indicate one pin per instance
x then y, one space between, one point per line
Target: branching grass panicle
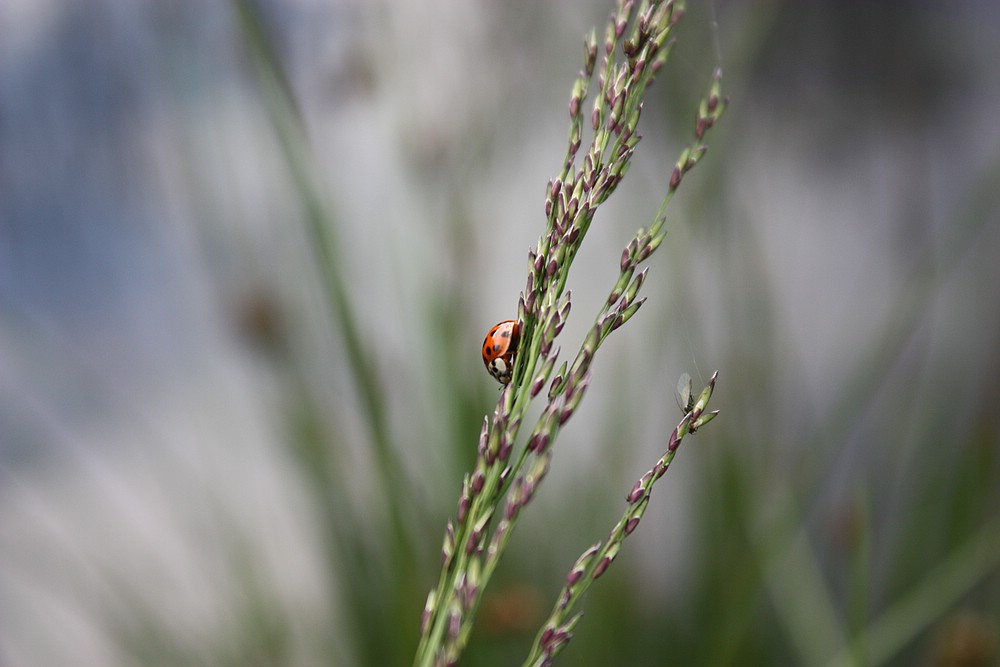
637 42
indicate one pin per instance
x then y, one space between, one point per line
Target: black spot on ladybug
506 334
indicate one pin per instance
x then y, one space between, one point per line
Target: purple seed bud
601 567
556 381
573 577
473 545
641 277
505 449
571 381
556 186
454 624
546 637
515 423
595 119
675 178
636 493
631 525
510 509
565 221
564 416
448 548
551 269
559 327
478 479
484 435
574 106
470 596
589 553
527 492
640 65
674 442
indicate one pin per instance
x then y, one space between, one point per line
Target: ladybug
499 349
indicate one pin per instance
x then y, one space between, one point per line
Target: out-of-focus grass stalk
939 590
473 543
796 584
365 576
859 578
782 545
289 126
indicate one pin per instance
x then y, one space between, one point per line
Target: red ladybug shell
499 349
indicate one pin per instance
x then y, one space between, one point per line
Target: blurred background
249 252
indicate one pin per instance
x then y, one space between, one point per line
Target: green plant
636 45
